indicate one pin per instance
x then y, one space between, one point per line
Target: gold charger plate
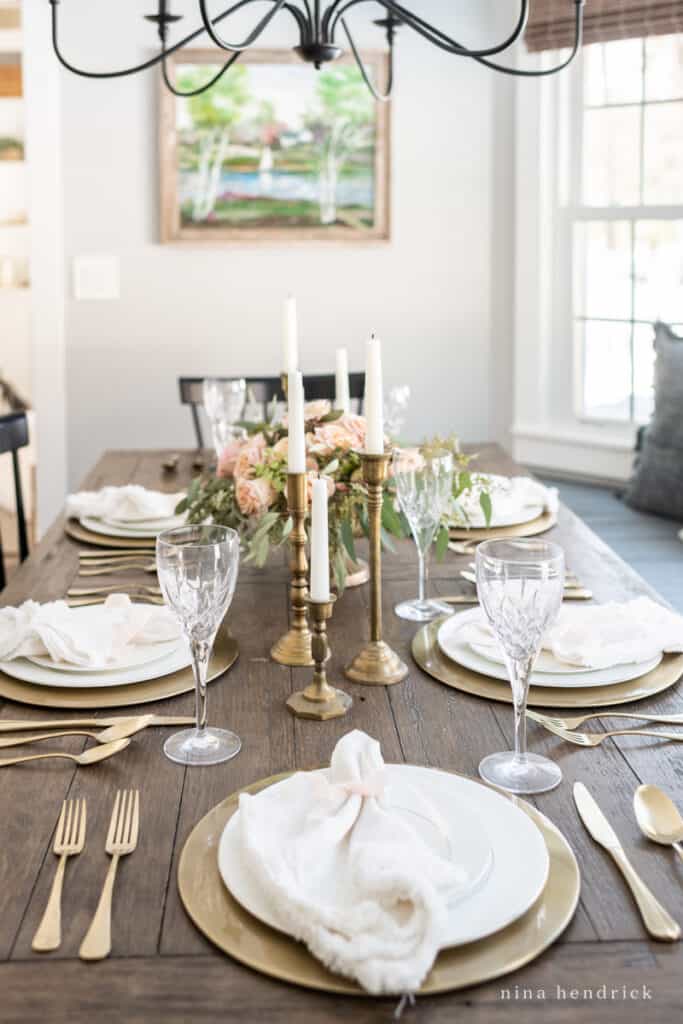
77 532
222 920
433 661
225 652
531 529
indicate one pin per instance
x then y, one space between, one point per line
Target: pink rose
226 463
281 449
314 475
409 460
254 497
316 410
347 433
250 455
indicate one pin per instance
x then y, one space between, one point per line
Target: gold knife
656 919
88 723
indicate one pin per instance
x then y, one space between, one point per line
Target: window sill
589 450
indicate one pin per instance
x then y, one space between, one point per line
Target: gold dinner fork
594 739
108 568
79 602
574 721
112 588
122 839
69 841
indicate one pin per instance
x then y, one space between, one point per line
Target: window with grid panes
628 219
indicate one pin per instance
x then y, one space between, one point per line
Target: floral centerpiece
248 492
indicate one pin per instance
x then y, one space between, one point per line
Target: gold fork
594 739
122 839
575 721
69 841
110 567
78 602
112 588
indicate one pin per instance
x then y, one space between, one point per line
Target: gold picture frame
359 208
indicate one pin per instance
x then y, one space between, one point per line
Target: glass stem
421 572
201 651
520 673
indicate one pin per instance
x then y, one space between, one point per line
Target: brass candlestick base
376 664
320 700
294 648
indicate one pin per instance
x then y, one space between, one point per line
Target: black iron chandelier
317 32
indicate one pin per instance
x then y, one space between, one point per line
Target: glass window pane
607 371
664 67
663 171
643 372
605 247
613 72
659 270
611 156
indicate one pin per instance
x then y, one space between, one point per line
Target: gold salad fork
594 739
90 756
122 839
108 568
69 841
574 721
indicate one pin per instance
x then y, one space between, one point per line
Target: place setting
494 507
128 517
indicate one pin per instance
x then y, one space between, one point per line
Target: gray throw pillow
657 481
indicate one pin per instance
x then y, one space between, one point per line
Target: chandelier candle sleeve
342 400
374 410
296 448
320 557
290 336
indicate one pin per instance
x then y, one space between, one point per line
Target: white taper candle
296 446
320 558
290 336
341 390
374 398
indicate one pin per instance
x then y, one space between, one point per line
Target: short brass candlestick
320 700
294 648
376 664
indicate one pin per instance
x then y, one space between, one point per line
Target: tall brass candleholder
376 664
294 648
320 700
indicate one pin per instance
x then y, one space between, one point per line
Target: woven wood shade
551 22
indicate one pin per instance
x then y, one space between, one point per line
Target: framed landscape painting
275 150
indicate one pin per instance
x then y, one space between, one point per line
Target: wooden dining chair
13 436
263 390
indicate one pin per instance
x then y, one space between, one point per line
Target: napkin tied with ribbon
347 872
58 631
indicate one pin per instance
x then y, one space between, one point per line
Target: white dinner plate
109 530
28 672
477 520
134 526
462 653
481 822
132 656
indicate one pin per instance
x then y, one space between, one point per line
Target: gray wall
438 294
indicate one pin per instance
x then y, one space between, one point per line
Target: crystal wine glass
224 403
520 585
424 485
197 567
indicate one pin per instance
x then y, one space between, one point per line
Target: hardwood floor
649 544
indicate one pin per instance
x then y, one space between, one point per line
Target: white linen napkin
345 871
604 635
509 496
56 630
129 504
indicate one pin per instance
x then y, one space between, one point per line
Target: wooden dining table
603 968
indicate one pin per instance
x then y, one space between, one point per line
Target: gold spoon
114 732
658 817
91 756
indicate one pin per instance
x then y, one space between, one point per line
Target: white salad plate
111 530
28 672
475 518
461 651
497 844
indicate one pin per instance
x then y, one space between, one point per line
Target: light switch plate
96 277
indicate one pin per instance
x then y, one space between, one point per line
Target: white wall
429 293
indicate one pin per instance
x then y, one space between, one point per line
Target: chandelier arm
251 38
166 52
433 34
380 97
544 72
202 88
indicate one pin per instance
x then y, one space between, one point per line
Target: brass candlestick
294 648
284 383
320 700
376 663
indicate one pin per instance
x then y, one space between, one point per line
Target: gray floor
648 543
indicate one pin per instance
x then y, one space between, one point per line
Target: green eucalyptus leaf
347 538
182 506
485 503
391 519
387 541
333 414
441 546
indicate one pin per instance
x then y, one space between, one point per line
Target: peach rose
409 460
229 455
250 456
254 497
281 449
316 410
346 433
